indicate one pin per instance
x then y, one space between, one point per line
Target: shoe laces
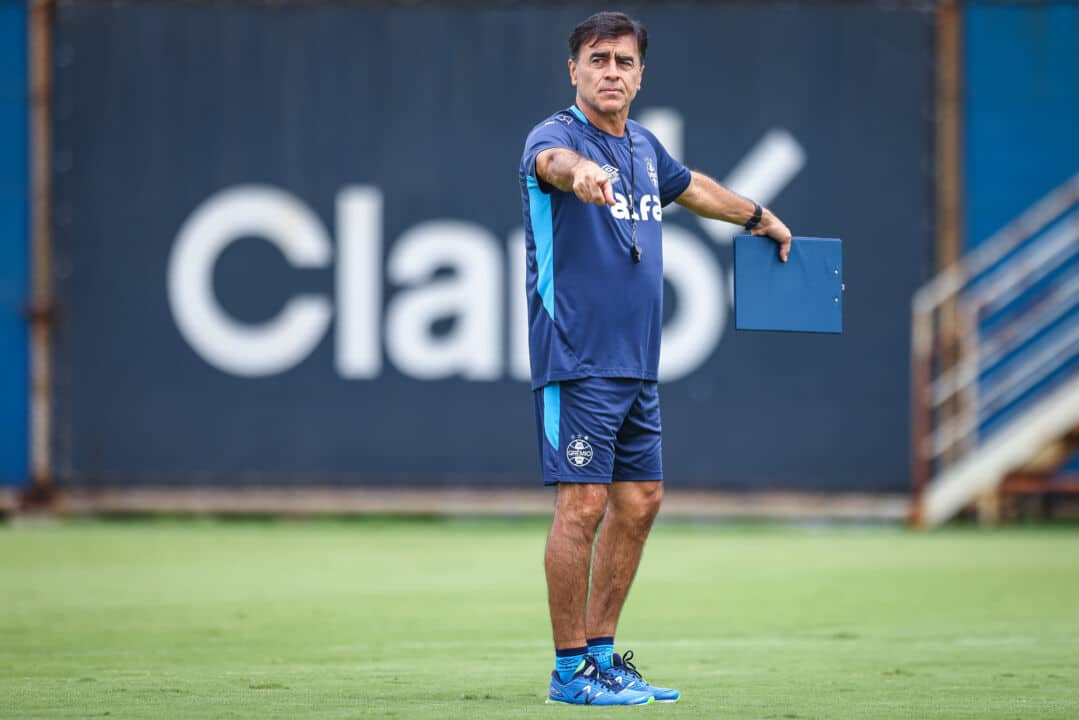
629 666
608 679
600 678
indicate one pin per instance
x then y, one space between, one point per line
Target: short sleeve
673 176
554 132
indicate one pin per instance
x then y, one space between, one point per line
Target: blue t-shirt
593 311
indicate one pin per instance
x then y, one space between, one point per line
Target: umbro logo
564 119
612 172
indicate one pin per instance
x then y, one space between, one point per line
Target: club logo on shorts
579 452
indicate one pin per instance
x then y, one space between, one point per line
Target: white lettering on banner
520 365
667 125
693 332
239 348
359 282
769 167
472 296
442 270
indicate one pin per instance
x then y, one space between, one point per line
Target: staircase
995 364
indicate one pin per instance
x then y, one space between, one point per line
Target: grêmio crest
579 451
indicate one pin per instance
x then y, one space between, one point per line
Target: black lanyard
634 248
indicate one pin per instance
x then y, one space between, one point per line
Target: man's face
607 74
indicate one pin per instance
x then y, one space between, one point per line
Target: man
593 185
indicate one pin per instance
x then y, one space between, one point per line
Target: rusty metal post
41 303
949 133
928 336
921 346
949 199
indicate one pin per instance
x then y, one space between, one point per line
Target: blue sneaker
624 674
588 686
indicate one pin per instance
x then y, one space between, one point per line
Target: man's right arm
566 170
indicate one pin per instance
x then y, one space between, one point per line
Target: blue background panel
14 244
1021 101
1022 108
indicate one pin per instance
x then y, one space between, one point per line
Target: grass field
399 619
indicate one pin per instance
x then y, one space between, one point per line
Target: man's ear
572 72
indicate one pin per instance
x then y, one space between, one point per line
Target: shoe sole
649 701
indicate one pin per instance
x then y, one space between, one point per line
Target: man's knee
582 505
638 502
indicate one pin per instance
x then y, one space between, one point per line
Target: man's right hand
592 184
567 170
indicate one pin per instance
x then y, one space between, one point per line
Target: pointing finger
597 194
608 192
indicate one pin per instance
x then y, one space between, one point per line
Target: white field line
962 641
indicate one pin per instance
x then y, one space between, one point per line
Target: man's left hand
773 227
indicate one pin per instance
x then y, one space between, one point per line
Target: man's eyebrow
604 54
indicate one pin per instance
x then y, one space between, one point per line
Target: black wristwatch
756 219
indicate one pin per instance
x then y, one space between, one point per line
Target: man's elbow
544 160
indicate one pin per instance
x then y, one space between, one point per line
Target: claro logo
484 293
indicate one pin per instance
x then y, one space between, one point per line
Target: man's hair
607 26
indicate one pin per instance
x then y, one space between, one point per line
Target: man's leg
578 511
631 508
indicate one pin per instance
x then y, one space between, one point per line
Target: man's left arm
708 198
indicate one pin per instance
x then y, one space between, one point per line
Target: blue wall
1022 108
14 243
1021 111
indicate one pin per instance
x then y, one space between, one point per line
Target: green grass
395 619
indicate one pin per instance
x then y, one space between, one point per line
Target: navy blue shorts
597 429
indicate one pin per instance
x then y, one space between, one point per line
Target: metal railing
993 333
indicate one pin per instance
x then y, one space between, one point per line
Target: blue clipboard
804 294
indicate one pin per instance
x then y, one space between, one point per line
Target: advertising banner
290 246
